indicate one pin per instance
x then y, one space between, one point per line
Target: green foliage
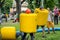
37 3
1 3
49 3
33 4
7 5
59 3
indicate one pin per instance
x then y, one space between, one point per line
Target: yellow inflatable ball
42 16
8 32
28 22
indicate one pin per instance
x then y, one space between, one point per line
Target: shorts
50 24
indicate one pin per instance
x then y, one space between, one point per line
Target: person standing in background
4 16
55 15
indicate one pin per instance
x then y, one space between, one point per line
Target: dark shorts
41 26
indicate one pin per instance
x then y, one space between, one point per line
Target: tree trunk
0 10
59 2
18 4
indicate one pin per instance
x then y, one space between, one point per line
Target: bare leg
43 31
52 25
53 30
48 30
48 26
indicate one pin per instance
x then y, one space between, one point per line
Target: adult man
55 15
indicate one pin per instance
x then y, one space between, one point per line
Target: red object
28 11
17 19
59 13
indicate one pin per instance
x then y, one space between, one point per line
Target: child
50 23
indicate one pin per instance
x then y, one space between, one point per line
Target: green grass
10 23
51 36
38 36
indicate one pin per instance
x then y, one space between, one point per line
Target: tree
59 3
7 5
30 4
18 4
38 3
49 3
1 4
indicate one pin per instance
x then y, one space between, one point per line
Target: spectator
55 15
4 16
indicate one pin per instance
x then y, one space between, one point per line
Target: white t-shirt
49 17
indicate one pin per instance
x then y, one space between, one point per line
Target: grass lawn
51 36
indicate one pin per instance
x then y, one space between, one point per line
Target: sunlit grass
38 36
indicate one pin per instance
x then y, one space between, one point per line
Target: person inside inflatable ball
42 26
28 11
